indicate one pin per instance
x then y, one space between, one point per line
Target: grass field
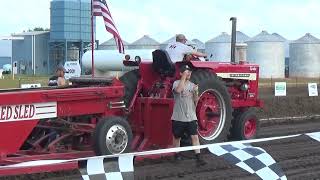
8 82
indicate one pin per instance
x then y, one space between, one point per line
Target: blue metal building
30 52
70 35
5 51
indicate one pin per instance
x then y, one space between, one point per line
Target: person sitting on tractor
184 119
178 50
58 79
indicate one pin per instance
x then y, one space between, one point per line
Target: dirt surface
298 157
296 103
276 128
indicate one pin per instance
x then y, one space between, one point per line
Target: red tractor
108 116
227 95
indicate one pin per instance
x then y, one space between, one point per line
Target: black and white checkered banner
104 169
254 160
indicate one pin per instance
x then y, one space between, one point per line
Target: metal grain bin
267 50
144 42
111 45
199 45
305 57
219 48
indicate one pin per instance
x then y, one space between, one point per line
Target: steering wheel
190 57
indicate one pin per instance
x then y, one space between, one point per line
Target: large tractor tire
112 135
130 81
214 110
245 125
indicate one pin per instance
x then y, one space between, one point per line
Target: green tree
38 29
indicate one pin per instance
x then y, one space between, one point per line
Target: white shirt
177 50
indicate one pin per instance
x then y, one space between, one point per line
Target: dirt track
296 103
298 157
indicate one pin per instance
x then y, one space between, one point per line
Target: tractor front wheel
112 135
245 125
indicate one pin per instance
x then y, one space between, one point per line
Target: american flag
100 8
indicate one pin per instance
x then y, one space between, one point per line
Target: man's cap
61 68
185 67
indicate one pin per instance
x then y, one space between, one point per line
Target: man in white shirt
177 50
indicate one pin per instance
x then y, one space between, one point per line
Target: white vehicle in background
72 68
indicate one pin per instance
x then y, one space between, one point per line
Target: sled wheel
112 135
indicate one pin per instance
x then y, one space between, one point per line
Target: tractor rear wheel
112 135
245 125
214 110
130 81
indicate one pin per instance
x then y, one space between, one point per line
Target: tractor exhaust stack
233 39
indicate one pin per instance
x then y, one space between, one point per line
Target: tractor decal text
239 75
245 76
28 111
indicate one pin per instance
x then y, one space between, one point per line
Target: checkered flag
252 159
314 135
106 169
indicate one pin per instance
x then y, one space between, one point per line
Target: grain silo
70 31
286 43
267 50
286 53
111 45
305 57
145 42
219 48
173 39
199 45
241 37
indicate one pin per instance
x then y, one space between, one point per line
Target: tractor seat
162 63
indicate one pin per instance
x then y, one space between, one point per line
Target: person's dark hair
60 68
184 67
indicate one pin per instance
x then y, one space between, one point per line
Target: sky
161 19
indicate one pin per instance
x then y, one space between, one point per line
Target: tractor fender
200 65
204 64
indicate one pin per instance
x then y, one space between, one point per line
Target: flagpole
92 41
